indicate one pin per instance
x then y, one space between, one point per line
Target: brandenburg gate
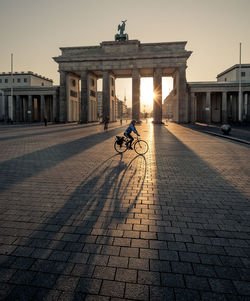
124 58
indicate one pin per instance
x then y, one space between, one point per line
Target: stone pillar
42 108
84 97
30 109
106 95
224 107
208 107
21 109
54 119
24 109
136 94
182 95
17 114
63 97
6 107
157 105
192 108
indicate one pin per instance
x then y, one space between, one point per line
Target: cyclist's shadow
107 185
99 205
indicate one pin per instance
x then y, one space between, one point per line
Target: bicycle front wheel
120 148
141 147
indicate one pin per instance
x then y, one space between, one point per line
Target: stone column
42 108
136 83
24 109
224 107
106 95
17 108
30 109
54 119
192 108
84 97
21 109
182 95
208 107
63 97
6 107
157 105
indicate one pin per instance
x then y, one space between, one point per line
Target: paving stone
148 277
137 291
172 280
47 294
140 243
186 294
110 250
139 263
91 286
112 288
168 255
182 267
116 261
126 275
149 254
23 277
107 273
122 242
6 274
159 266
161 293
222 286
45 280
242 287
129 252
83 270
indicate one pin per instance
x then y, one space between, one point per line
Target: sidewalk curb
227 137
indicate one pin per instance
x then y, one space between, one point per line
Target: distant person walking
106 123
120 120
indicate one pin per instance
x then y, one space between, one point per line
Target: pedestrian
106 123
121 120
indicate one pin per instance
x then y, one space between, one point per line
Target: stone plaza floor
80 222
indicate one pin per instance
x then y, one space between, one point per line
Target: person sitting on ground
127 133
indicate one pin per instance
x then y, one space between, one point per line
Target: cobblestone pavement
80 222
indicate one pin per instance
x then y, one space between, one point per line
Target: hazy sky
33 30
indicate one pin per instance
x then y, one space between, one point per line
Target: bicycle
122 144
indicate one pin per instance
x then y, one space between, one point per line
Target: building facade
221 101
235 73
34 97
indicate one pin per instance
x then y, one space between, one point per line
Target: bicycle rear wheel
120 148
141 147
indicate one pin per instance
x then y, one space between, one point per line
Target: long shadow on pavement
16 170
206 223
81 234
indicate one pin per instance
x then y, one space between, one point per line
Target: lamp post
240 93
11 89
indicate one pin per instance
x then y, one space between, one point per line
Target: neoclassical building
34 97
217 101
121 59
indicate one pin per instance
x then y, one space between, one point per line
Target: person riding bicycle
127 133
